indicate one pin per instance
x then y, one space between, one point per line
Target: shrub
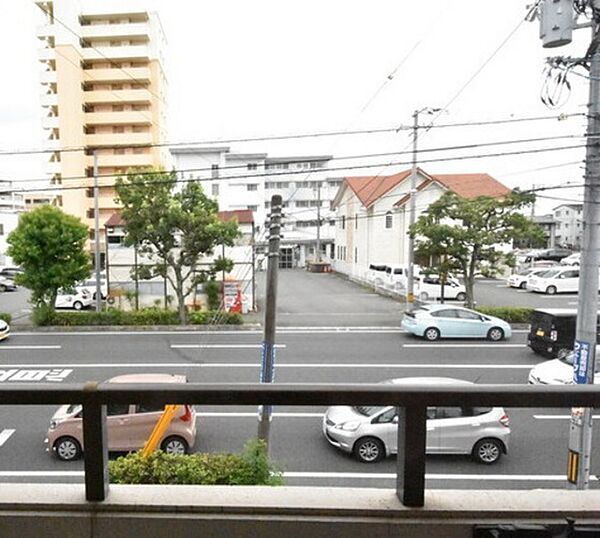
5 316
114 316
215 318
251 468
508 313
211 288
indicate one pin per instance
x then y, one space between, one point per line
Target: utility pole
267 369
97 235
557 22
318 257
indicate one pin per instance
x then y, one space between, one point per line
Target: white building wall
9 220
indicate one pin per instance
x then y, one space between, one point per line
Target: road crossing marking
558 417
464 345
223 346
13 348
5 435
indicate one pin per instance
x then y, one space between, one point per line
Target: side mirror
395 419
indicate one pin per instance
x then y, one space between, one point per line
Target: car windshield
525 272
551 273
368 410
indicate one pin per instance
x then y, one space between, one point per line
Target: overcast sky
245 69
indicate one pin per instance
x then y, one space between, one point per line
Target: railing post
410 465
95 446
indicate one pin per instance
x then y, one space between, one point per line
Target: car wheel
523 285
423 296
67 448
369 450
487 451
77 305
551 290
461 296
432 334
174 445
495 334
2 287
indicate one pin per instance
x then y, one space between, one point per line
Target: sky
239 69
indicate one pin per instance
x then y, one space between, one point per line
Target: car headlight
351 426
53 424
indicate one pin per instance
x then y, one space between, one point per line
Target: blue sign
267 371
580 362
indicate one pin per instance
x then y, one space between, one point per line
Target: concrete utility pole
580 435
318 256
97 235
268 346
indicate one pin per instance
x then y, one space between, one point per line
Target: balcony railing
412 402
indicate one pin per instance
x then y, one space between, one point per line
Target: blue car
442 321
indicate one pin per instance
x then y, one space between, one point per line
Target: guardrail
412 401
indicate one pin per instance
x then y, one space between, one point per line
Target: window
1 229
215 189
355 254
116 87
89 192
149 408
90 214
117 409
386 416
448 313
449 412
463 314
343 222
388 220
119 151
252 207
252 187
356 221
118 129
252 166
115 239
214 170
92 235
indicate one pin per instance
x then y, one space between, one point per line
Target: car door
118 419
568 281
446 320
458 430
144 418
471 324
387 423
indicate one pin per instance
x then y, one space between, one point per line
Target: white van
376 274
560 280
430 287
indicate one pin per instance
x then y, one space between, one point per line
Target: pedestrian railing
412 401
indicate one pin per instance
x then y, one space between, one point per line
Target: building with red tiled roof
372 213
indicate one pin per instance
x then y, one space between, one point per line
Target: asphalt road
537 457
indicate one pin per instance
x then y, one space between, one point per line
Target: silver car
371 432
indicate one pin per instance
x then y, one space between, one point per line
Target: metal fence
412 401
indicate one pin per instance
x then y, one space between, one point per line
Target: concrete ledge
31 509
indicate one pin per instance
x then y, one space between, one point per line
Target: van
376 274
552 331
429 287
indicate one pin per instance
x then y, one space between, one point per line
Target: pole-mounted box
557 19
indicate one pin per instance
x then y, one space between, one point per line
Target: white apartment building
103 90
569 225
11 206
248 181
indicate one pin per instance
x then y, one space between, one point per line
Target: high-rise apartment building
103 90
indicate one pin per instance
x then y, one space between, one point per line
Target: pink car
128 426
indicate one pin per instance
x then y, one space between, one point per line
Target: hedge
144 316
251 468
508 313
5 316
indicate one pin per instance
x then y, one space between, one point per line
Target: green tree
174 228
465 233
50 247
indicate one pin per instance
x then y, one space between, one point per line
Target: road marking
3 347
558 417
464 345
392 476
222 346
26 474
4 435
255 415
282 330
55 374
280 365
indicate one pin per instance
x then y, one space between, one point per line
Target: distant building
569 225
11 206
548 224
249 180
37 199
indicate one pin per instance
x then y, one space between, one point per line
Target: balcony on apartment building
126 117
49 99
53 167
46 53
122 160
126 52
52 143
117 96
48 77
45 30
117 139
50 122
116 74
115 31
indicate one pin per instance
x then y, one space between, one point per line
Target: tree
50 247
174 229
466 232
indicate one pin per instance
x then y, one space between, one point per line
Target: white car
521 279
90 286
430 287
560 280
376 274
73 298
557 371
573 259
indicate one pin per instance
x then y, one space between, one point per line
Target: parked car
552 254
563 279
128 426
73 298
4 330
371 432
521 279
10 272
90 286
433 322
429 287
376 274
7 284
573 259
558 371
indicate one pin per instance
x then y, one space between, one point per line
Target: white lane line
13 348
463 345
282 330
558 417
27 474
222 346
255 415
280 365
392 476
5 435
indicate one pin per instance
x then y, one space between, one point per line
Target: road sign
580 362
